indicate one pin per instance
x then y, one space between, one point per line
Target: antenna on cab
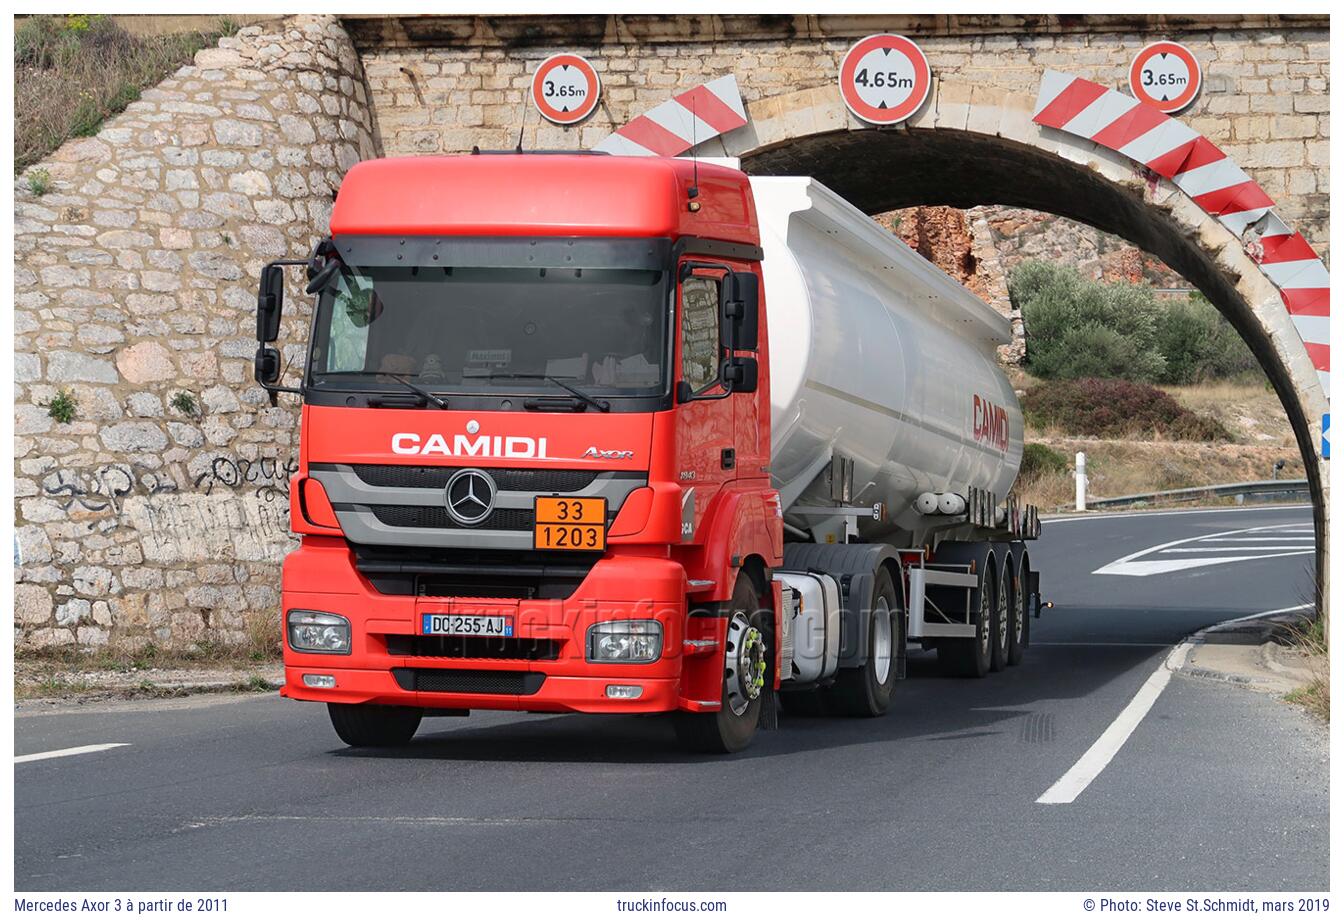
694 191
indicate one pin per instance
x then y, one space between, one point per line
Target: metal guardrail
1264 490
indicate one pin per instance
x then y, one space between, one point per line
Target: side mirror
740 375
740 307
266 366
270 300
323 276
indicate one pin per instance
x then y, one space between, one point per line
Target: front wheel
371 725
746 678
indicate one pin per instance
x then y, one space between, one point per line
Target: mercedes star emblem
470 496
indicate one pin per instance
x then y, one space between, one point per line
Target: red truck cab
535 446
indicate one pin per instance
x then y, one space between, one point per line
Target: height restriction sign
1166 75
884 79
565 88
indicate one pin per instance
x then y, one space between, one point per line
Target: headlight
625 641
315 631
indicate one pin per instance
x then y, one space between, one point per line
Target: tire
747 661
1002 626
371 725
1019 620
971 657
865 692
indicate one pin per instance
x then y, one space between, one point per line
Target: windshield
492 330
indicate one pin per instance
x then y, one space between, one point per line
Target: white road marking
1212 547
1275 550
67 752
1263 538
1071 785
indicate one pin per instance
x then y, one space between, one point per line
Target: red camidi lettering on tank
990 424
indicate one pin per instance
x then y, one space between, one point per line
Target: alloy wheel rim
745 663
882 640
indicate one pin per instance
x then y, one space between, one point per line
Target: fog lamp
320 681
315 631
624 692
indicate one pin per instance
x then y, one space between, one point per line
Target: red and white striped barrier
685 120
1197 167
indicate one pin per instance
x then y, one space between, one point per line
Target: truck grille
436 477
502 649
437 517
435 680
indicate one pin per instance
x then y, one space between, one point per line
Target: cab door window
700 332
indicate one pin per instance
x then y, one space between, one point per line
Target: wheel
746 677
1002 628
1018 634
370 725
866 691
971 657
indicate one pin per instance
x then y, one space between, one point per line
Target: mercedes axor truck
599 434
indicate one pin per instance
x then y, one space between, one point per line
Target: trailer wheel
371 725
1020 622
1002 627
971 657
746 679
866 691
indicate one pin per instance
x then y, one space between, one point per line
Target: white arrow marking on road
1103 750
1213 554
68 752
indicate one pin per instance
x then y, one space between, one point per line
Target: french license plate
570 523
452 624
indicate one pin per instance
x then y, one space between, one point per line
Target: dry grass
1248 409
1315 695
73 72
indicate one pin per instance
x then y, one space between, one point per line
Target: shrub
184 402
1081 328
1040 460
1116 409
1200 345
62 407
39 182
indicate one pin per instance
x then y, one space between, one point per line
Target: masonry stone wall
160 512
1265 97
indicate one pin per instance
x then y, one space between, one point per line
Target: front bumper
387 665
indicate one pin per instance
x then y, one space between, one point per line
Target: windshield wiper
601 405
416 388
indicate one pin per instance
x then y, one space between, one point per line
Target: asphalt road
1218 788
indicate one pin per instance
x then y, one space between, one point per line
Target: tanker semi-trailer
584 433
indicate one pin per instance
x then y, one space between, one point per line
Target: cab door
706 427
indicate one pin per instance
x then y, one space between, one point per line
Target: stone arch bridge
147 521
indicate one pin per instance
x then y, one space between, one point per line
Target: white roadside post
1080 481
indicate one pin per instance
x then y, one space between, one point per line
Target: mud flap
769 717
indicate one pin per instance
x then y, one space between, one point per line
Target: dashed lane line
68 752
